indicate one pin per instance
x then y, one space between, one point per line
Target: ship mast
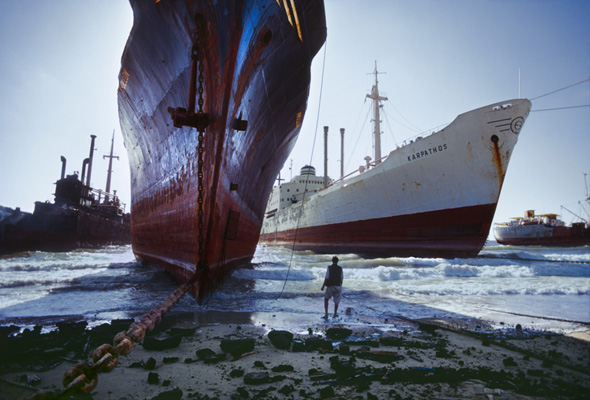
110 170
376 121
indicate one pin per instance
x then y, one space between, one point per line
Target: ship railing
360 170
108 199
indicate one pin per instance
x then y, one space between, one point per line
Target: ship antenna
587 195
586 183
376 121
519 83
279 179
110 170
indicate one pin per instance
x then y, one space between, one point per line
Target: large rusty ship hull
255 70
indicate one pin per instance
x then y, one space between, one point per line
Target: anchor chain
83 377
201 129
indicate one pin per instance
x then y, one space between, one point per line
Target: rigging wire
559 90
307 177
358 136
390 128
561 108
413 127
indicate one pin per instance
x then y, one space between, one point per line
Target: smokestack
84 164
90 160
325 156
63 167
341 153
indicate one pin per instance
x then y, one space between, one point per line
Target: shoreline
412 359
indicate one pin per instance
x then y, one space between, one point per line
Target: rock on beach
227 361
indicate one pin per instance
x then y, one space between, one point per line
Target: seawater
538 287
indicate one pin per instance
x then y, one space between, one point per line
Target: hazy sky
440 58
58 85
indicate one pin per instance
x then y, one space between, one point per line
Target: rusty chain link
83 377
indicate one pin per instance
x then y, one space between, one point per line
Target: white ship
435 196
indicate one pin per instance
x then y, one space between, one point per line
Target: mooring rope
307 178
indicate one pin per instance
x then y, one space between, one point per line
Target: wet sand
243 356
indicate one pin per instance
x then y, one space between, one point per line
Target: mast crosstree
376 121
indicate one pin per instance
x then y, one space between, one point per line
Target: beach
511 323
235 356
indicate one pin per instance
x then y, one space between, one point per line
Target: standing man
333 285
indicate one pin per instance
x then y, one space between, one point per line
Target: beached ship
542 230
80 216
211 98
547 229
432 197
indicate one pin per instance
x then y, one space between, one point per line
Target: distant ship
433 197
211 98
79 217
544 230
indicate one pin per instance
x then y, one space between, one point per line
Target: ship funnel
84 164
341 153
63 167
90 160
307 170
325 156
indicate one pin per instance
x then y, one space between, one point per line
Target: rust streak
498 162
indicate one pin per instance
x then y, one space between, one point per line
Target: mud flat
191 358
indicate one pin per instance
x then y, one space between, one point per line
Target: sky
58 85
438 59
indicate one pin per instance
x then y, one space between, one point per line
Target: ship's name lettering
427 152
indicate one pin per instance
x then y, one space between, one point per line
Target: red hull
554 242
256 73
562 236
453 233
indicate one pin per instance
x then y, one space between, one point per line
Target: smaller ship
544 230
80 216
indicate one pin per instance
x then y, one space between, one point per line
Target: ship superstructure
542 230
547 229
80 216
